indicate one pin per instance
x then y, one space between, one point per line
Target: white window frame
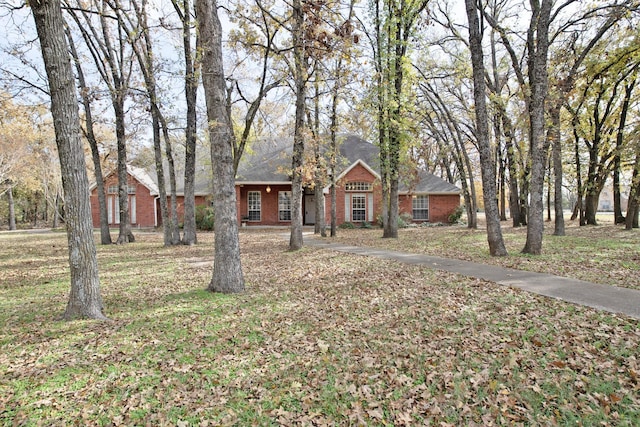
420 207
358 186
284 205
358 207
254 205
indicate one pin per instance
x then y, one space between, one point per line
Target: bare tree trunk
12 209
56 207
633 205
538 46
105 233
174 226
189 235
162 190
84 298
227 267
628 90
295 240
494 231
556 154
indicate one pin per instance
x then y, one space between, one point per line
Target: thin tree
107 45
84 298
105 234
494 231
227 267
191 66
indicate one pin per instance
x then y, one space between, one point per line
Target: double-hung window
358 207
255 205
284 206
421 207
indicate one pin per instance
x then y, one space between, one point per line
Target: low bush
204 218
455 216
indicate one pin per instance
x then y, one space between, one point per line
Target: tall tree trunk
295 240
56 207
494 231
333 155
84 298
617 208
12 209
555 136
538 46
174 226
189 235
227 267
105 233
162 190
124 233
633 205
549 190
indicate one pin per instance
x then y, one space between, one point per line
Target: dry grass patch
319 338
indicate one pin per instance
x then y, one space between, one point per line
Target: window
357 186
421 207
255 205
284 205
358 207
113 189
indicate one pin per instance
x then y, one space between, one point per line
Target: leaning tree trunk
84 298
227 267
494 231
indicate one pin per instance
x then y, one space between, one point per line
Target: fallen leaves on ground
318 338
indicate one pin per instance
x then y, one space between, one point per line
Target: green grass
318 338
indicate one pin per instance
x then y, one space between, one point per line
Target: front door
309 209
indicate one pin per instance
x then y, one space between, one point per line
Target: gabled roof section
141 175
428 183
353 148
144 178
353 165
266 162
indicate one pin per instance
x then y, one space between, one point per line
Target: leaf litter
318 338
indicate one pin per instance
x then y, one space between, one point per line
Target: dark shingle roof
269 160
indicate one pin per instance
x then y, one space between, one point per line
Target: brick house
263 188
144 201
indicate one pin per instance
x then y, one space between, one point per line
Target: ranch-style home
263 190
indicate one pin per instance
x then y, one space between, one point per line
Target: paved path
603 297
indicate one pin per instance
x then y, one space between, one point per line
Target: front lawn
318 338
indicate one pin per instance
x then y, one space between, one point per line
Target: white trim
370 208
347 207
356 163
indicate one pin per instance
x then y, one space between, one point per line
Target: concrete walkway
602 297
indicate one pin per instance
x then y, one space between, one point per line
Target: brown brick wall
144 203
269 203
358 174
440 206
